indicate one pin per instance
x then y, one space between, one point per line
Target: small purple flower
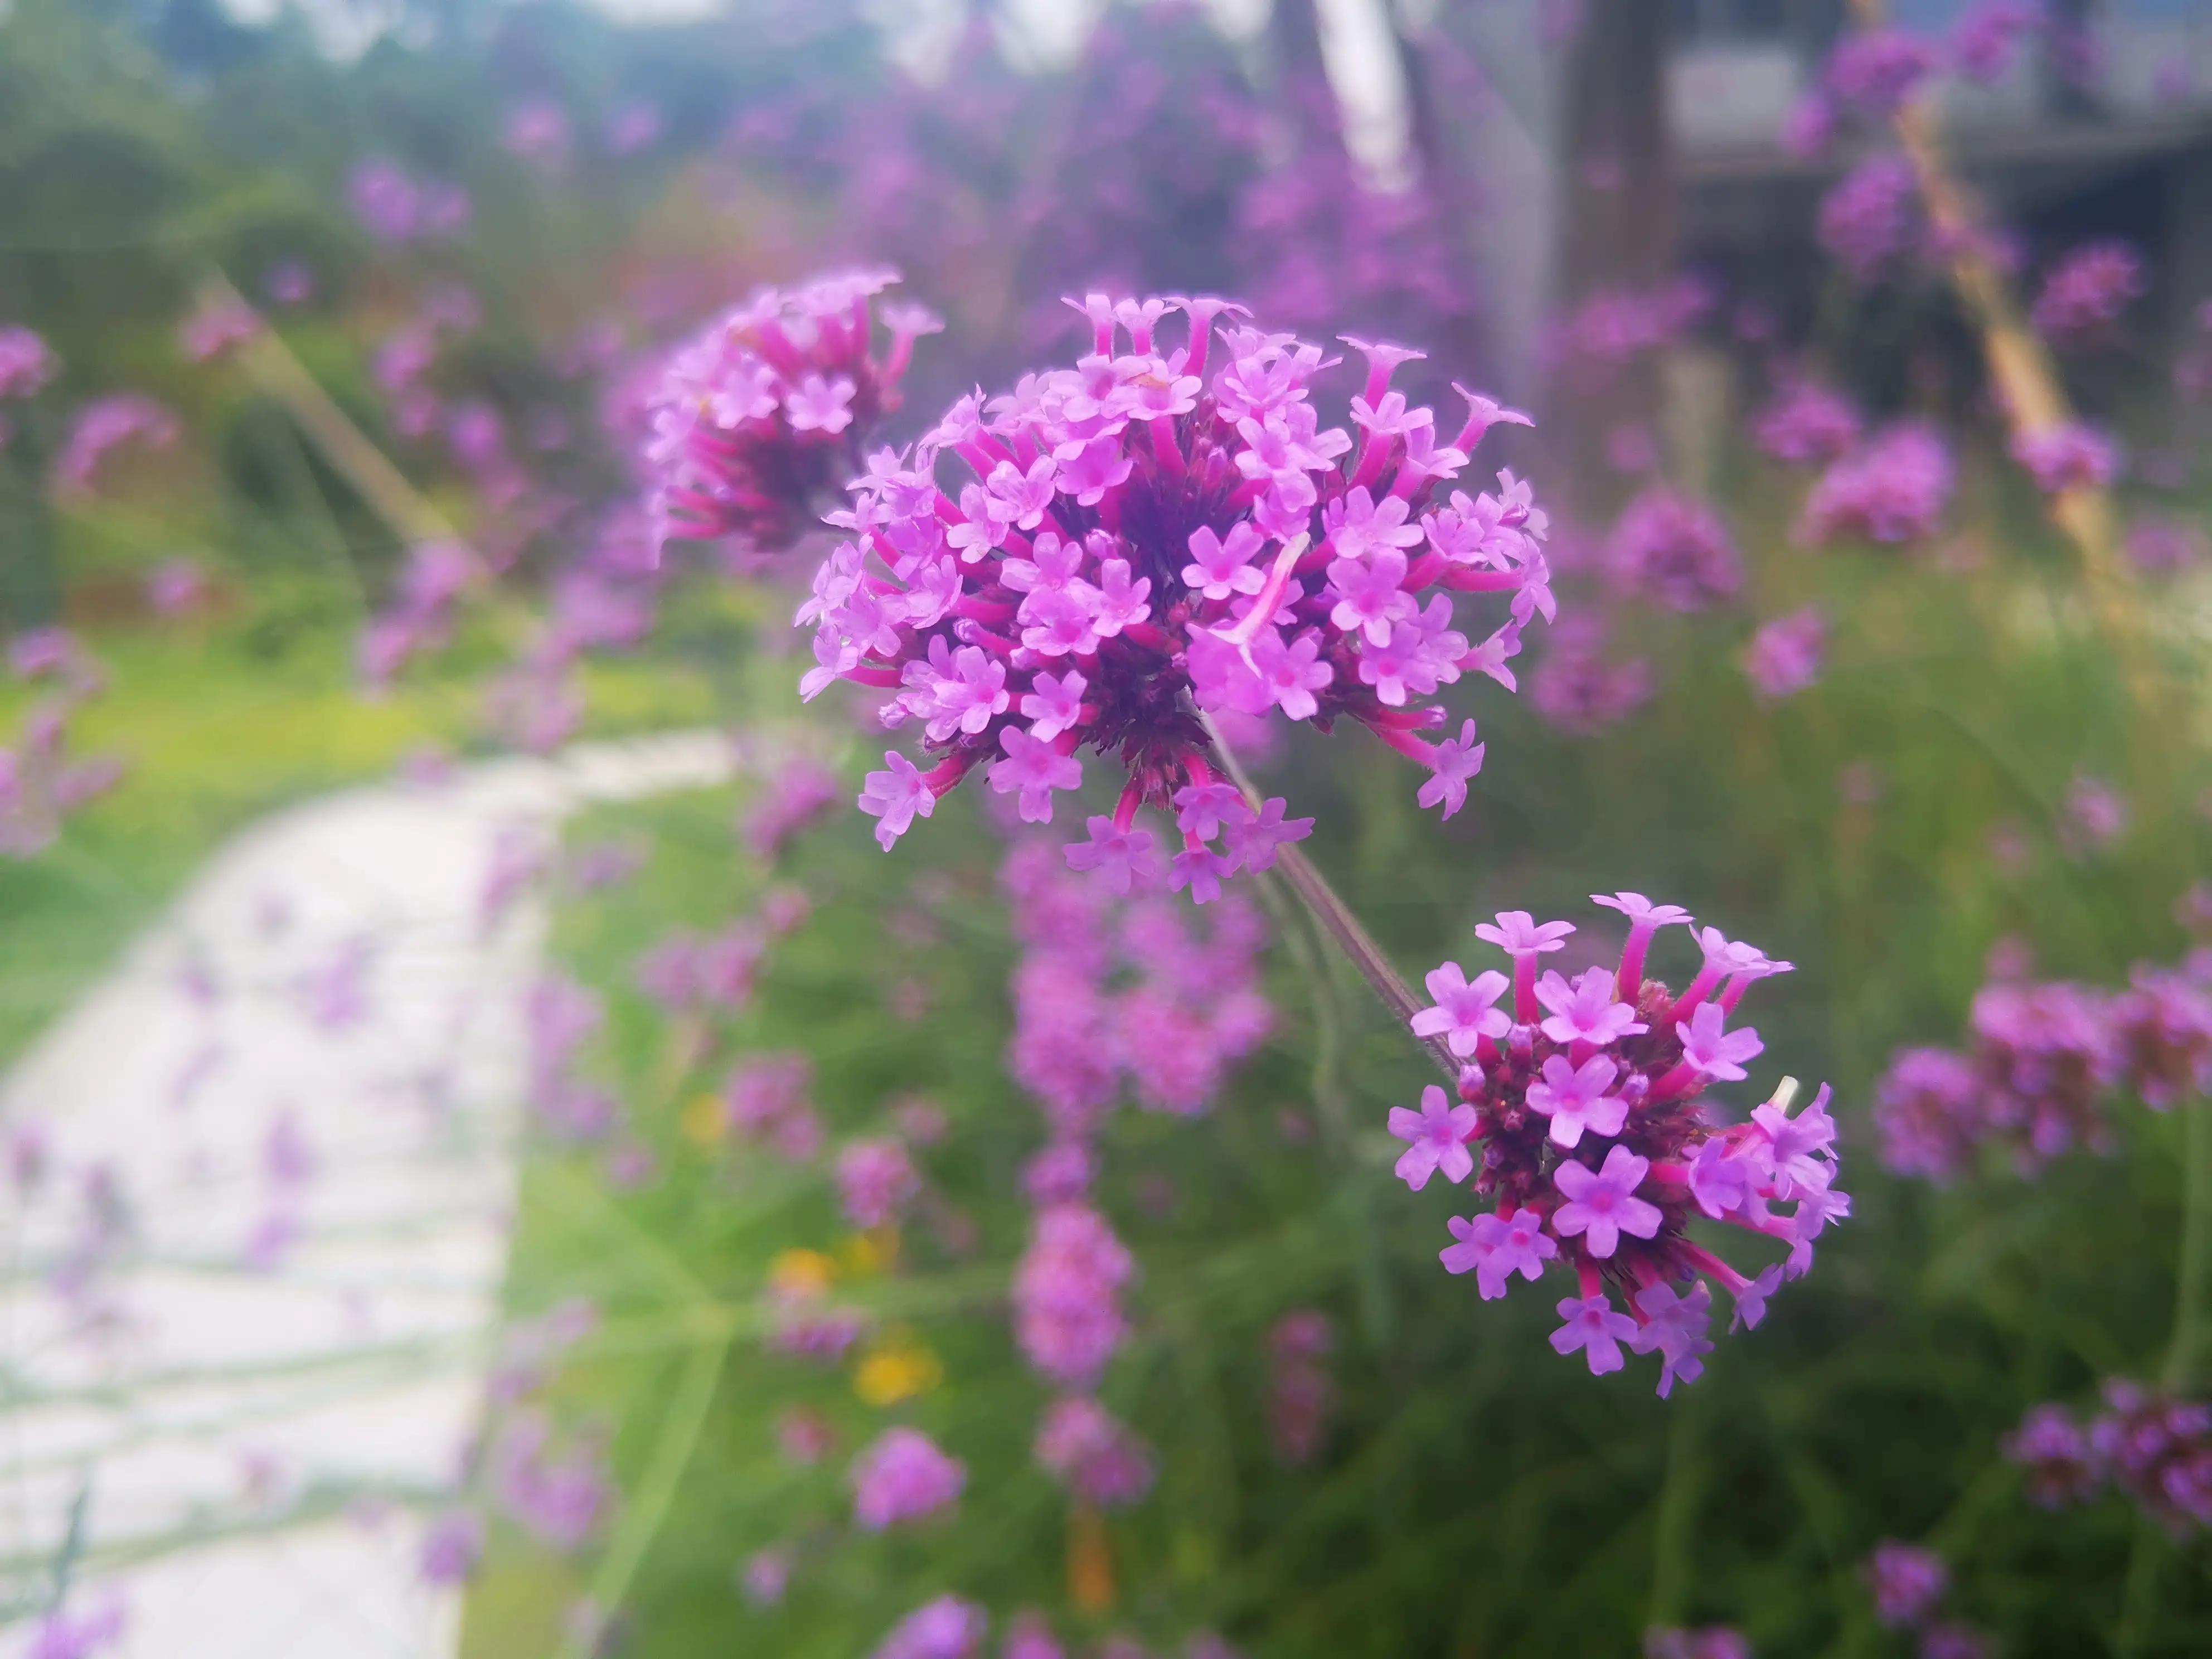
1592 1326
896 798
1601 1203
877 1181
1907 1582
1463 1014
1715 1053
1676 1325
1456 761
1034 769
1497 1247
1574 1098
451 1546
947 1628
2086 291
1437 1136
902 1477
1783 657
1585 1010
2071 456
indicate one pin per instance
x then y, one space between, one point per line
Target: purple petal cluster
876 1181
1783 657
1131 991
1872 216
1873 72
1891 489
2069 456
2086 291
761 414
903 1477
102 425
2153 1448
559 1499
1674 552
1067 1295
1300 1390
419 615
2044 1062
769 1099
1807 423
217 328
1159 533
1597 1147
393 206
1094 1455
26 363
1579 686
947 1628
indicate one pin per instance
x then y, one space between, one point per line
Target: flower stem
2184 1361
1335 916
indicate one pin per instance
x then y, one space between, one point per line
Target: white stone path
196 1390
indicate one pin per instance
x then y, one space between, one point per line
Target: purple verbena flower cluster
761 414
102 425
2070 456
1111 989
1097 1457
2086 291
2154 1448
1584 1098
394 207
26 362
1893 488
1783 657
1674 552
1872 216
947 1628
1579 686
2046 1058
902 1476
1152 535
1807 423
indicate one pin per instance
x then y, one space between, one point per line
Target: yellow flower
897 1368
801 1273
705 1122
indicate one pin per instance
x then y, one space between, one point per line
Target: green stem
1336 918
656 1493
2184 1360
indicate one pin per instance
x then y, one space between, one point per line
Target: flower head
763 410
1166 532
902 1477
1593 1147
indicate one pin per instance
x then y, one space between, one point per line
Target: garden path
260 1278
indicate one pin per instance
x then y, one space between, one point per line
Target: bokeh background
444 978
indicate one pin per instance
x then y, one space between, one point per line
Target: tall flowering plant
1159 533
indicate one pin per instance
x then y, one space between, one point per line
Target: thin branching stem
1335 916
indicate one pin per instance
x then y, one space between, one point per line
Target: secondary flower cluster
2044 1061
2087 290
1580 1120
1157 533
762 414
1891 489
1112 989
2156 1448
